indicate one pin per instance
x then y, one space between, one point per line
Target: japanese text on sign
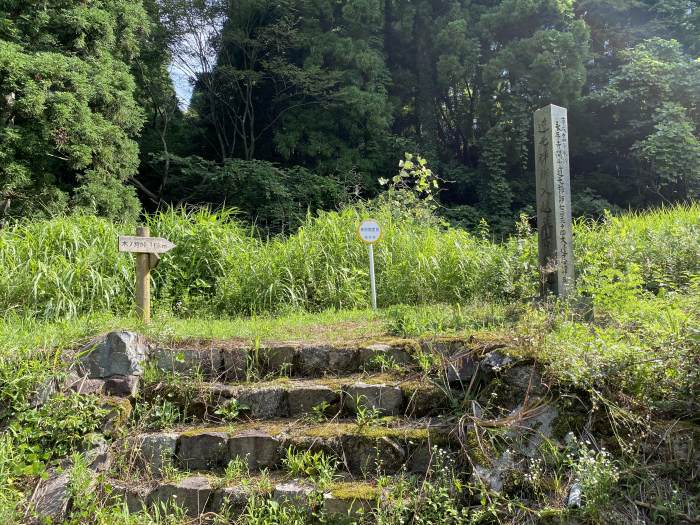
369 231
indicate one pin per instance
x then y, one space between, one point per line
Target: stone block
292 492
51 498
264 402
525 378
118 412
366 455
347 505
314 360
155 451
461 369
119 354
135 497
122 386
235 363
203 450
424 400
385 398
279 359
367 356
230 501
193 495
258 449
190 361
343 360
303 399
85 385
420 458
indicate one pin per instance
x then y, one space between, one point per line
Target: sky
183 88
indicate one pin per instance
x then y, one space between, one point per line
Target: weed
365 415
156 414
318 466
260 511
596 472
236 470
385 363
231 410
318 412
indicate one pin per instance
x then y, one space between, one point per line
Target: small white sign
369 231
144 244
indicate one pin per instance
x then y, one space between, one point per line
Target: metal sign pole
371 277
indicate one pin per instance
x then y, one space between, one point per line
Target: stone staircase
376 410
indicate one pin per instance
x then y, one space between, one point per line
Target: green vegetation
297 116
634 365
317 466
69 266
300 105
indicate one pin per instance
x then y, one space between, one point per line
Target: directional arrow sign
144 244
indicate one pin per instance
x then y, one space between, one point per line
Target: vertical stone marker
556 256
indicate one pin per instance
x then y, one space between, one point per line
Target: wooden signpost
556 255
147 250
370 232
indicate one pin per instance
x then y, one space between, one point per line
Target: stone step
386 446
387 394
200 494
235 362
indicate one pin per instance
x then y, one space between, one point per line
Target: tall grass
69 266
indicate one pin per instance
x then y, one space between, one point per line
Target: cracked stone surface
119 354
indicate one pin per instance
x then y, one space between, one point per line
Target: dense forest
304 105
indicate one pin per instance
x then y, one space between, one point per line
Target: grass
68 267
635 365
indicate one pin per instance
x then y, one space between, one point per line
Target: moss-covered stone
354 490
118 412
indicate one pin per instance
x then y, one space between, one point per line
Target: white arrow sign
144 244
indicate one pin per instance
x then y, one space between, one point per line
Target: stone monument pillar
556 257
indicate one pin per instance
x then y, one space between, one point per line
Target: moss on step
354 490
334 430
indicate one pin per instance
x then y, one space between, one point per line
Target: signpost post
147 250
370 232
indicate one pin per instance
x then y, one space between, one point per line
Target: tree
69 117
648 116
